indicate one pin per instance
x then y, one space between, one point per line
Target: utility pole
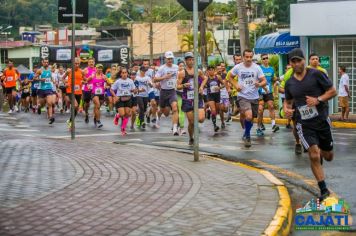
243 24
151 34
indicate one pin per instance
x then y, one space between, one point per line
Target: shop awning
277 43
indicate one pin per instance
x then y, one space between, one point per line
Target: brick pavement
58 187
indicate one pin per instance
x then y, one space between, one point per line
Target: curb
336 124
282 220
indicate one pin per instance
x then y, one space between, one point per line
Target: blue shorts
107 93
188 105
44 93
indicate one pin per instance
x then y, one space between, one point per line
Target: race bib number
36 86
90 86
126 93
99 91
249 82
190 95
215 89
307 113
76 87
10 78
48 80
170 84
26 90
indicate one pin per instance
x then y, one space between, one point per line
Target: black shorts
267 97
167 97
9 90
134 101
188 105
44 93
25 95
34 92
101 97
318 134
63 90
86 96
205 98
121 104
77 97
214 97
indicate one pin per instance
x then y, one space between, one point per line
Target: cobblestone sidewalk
58 187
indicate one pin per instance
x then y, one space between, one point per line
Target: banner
102 54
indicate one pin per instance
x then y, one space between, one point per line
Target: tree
187 43
243 24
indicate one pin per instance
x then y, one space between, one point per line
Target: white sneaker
68 111
16 108
182 131
175 132
10 112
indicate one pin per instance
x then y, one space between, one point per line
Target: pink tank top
98 85
89 86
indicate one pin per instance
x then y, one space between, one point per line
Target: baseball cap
99 66
169 54
188 55
296 53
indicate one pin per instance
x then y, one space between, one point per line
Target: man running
167 76
250 78
310 90
186 82
266 96
45 92
10 78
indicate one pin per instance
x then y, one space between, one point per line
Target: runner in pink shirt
87 87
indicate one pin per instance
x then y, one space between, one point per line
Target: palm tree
187 43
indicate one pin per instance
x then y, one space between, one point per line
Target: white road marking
19 130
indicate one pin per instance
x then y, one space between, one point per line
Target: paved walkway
59 187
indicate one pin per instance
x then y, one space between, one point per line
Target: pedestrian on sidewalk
344 94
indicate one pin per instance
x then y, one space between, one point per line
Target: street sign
65 11
325 62
188 4
233 46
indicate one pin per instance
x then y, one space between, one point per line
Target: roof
23 70
277 43
14 44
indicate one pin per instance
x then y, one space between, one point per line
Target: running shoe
143 125
288 126
148 119
259 132
123 132
275 128
191 142
100 125
86 119
175 132
116 119
263 127
51 120
298 149
182 131
10 111
324 195
247 141
223 126
216 128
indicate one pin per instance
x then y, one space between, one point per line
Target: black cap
296 53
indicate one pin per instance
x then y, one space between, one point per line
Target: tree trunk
243 24
203 43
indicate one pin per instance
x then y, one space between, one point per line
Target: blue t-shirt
47 84
269 74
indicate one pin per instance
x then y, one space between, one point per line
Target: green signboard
325 62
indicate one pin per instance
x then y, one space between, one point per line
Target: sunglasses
265 58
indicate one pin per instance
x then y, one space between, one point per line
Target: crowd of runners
143 93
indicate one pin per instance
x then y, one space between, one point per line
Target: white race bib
26 90
10 78
190 95
98 91
48 80
170 84
126 93
249 82
214 89
307 113
90 86
76 87
36 85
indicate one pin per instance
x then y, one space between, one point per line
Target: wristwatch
319 100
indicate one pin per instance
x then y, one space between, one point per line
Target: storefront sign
325 62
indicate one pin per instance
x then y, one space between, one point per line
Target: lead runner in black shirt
310 90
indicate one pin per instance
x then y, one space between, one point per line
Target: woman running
98 81
125 88
144 83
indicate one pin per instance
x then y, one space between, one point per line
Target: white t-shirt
123 87
168 83
143 84
282 95
344 80
248 76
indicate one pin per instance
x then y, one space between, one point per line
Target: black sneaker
208 114
275 128
148 119
263 127
95 122
191 142
228 118
324 195
51 120
39 110
99 124
289 126
216 128
143 125
247 141
86 119
298 149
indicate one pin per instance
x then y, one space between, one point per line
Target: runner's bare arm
288 108
329 94
262 82
180 80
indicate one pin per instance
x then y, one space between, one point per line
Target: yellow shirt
233 90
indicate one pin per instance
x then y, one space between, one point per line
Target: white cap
169 54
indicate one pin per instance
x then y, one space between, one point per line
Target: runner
62 76
152 110
214 84
111 75
310 90
25 89
282 95
35 84
181 116
251 78
98 80
10 78
143 84
266 96
186 82
224 95
78 82
167 76
87 87
45 92
124 88
134 103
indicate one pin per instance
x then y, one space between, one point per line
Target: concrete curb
336 124
282 220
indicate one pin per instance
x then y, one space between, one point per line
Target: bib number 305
308 112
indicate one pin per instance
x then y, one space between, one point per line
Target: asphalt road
274 151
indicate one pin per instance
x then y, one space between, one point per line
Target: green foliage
215 62
188 42
280 10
